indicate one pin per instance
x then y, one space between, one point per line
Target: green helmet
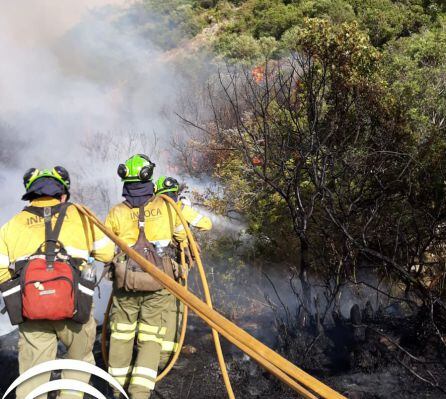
167 184
137 168
58 173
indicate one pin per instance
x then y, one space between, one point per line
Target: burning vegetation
325 152
320 158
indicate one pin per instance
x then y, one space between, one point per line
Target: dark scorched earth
363 357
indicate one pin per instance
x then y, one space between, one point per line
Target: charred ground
368 355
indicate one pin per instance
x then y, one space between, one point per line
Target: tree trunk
304 281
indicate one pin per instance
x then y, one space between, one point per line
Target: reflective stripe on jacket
162 223
25 232
195 218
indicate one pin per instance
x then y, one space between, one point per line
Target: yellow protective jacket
25 232
193 217
162 223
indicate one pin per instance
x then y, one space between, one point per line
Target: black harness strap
51 235
39 210
142 220
50 246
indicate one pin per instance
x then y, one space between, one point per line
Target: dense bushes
333 152
326 135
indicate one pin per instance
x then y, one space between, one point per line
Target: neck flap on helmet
137 193
45 187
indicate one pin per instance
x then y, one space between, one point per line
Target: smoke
82 87
40 22
69 70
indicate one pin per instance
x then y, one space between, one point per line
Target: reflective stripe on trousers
169 346
144 376
65 392
123 331
148 332
121 374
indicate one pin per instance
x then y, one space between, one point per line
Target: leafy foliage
167 23
327 137
326 162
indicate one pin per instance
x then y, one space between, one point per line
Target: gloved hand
185 200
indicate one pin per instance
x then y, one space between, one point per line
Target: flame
258 73
257 160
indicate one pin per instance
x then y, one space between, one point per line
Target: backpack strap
141 219
39 210
141 224
52 235
141 215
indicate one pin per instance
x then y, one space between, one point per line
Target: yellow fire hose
207 294
176 355
303 383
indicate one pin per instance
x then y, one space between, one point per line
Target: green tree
282 124
386 20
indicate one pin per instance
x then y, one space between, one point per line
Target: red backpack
48 280
48 285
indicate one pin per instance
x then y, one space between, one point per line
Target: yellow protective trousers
38 341
150 317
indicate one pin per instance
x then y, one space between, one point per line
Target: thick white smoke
69 70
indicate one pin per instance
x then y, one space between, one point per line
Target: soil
353 359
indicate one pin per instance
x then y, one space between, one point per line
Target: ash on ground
369 355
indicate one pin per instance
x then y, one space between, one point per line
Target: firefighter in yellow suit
169 186
141 314
20 238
